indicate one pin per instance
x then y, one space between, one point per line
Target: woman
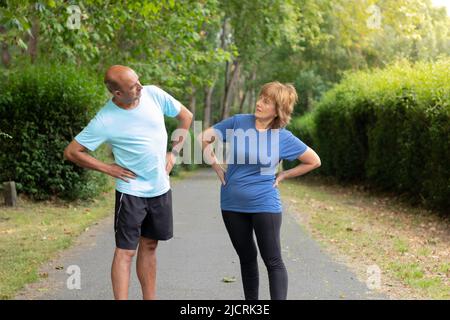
250 199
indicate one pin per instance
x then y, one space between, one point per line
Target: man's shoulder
152 89
105 109
156 93
106 113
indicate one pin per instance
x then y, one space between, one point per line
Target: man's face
130 88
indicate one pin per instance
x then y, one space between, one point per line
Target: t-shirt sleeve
93 135
292 147
222 126
169 105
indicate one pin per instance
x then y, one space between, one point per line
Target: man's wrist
175 152
104 167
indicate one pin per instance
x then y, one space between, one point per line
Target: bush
390 127
42 108
302 127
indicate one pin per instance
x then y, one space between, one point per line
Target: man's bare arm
184 118
77 153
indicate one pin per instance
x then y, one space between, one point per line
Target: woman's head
276 102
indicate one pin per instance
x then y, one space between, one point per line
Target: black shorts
147 217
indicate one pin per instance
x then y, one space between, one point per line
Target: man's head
123 83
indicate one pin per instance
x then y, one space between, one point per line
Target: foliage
390 127
42 107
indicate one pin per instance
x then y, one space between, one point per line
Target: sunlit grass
33 232
409 244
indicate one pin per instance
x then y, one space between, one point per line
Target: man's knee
125 255
148 244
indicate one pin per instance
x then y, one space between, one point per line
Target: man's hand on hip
170 161
117 171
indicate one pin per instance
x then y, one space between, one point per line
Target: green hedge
390 127
304 128
42 108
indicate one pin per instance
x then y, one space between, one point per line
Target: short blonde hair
285 97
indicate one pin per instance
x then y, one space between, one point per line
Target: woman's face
265 108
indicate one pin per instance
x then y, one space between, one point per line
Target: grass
34 232
410 245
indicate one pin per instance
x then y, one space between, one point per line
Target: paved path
193 263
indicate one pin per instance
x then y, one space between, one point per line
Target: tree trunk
241 105
33 41
252 100
192 101
305 100
207 109
6 56
10 193
223 45
309 99
231 84
224 35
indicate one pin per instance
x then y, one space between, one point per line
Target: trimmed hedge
42 108
389 127
304 128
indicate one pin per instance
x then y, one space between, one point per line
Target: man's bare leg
120 272
146 267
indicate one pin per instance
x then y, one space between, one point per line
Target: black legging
240 226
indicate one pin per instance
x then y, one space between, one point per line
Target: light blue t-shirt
252 161
138 139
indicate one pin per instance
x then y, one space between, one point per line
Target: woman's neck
262 124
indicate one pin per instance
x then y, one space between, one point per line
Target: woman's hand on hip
170 162
280 177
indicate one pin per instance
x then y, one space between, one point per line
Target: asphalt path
194 264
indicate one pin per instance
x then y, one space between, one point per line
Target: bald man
132 122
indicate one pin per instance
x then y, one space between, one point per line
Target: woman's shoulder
285 132
244 116
243 120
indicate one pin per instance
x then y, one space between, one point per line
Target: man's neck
131 105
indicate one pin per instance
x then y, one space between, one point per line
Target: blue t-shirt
138 139
252 160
